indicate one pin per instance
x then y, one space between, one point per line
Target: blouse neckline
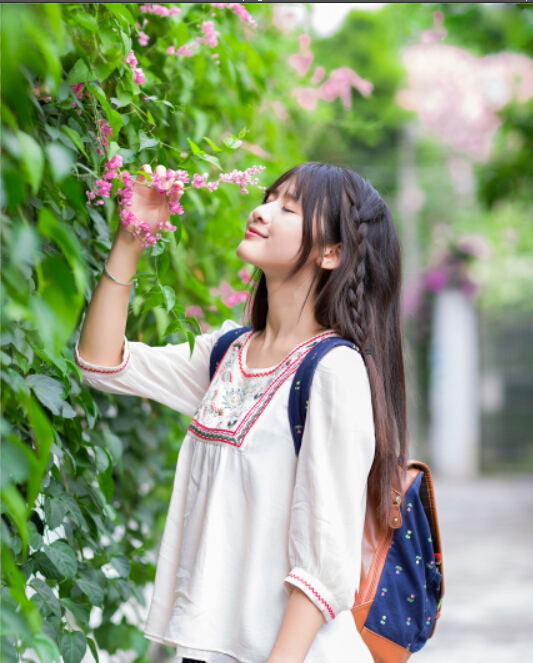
243 353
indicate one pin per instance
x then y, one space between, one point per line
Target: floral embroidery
236 398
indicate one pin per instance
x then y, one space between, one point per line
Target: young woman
261 554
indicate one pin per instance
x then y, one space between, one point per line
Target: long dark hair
360 299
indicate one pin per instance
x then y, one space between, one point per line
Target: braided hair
359 299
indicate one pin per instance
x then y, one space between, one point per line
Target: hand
147 203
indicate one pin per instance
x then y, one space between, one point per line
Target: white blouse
248 519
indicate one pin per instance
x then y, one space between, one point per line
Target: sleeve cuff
93 370
315 591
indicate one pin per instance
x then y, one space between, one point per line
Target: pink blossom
305 42
143 38
187 50
171 50
244 275
78 90
106 132
208 28
307 97
194 311
159 10
236 298
436 280
280 110
318 76
301 62
237 9
199 181
138 76
132 60
340 83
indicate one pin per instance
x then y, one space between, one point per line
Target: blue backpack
402 586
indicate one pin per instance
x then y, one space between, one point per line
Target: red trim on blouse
291 575
287 358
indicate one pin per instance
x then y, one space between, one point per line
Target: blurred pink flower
305 42
318 76
436 280
280 110
301 62
245 275
285 17
340 83
307 97
194 311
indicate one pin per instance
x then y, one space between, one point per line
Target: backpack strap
221 346
301 385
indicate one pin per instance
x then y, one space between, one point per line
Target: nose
261 214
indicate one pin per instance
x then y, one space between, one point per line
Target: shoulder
342 381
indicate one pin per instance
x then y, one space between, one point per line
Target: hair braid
356 283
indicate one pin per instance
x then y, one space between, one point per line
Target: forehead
287 189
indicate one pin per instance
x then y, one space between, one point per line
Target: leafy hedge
86 476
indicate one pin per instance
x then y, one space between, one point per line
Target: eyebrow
287 194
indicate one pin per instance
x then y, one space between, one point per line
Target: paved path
487 540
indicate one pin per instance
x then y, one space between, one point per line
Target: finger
147 168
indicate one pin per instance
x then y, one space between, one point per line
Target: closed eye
286 209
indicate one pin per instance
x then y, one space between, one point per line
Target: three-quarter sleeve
167 374
329 499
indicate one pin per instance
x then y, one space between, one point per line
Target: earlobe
332 257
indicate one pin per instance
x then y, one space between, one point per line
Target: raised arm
102 336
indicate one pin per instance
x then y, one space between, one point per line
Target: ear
331 258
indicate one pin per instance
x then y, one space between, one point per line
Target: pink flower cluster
107 132
229 296
143 38
242 178
138 74
208 28
188 50
131 222
237 9
159 10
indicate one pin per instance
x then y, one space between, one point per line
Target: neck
285 326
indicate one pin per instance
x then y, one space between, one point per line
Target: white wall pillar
454 387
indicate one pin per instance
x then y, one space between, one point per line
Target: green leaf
232 142
69 244
79 73
146 141
33 160
154 300
45 648
74 137
60 160
163 263
121 564
114 445
174 327
80 612
212 145
49 392
191 338
194 148
170 297
54 511
92 590
102 459
63 558
121 12
73 510
106 483
94 649
72 646
47 595
15 507
210 159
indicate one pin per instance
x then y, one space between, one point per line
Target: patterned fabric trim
101 370
313 590
233 402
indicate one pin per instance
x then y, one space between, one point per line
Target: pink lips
253 233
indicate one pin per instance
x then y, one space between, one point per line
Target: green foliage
86 476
